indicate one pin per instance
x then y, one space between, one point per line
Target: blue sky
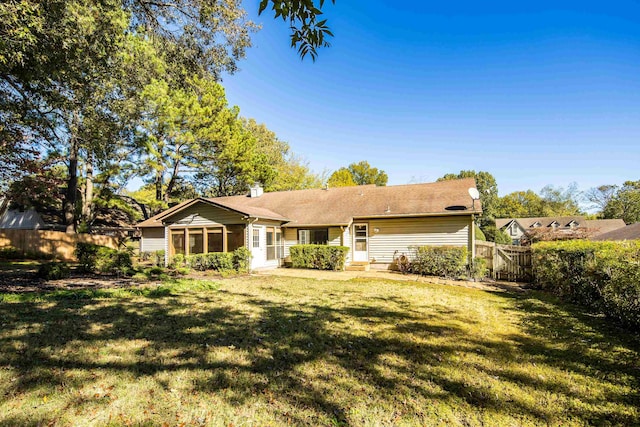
537 93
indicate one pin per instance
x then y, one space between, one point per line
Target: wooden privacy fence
51 243
506 262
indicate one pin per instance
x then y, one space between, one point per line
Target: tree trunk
158 182
87 203
172 180
72 188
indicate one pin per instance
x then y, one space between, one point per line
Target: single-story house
630 232
566 226
375 223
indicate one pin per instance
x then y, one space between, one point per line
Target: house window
256 238
214 240
314 236
177 241
513 230
279 247
271 246
235 237
274 243
196 242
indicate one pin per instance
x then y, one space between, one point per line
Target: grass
277 351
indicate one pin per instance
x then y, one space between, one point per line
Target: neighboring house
374 222
630 232
566 227
21 220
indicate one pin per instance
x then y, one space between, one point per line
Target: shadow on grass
391 350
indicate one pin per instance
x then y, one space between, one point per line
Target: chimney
256 190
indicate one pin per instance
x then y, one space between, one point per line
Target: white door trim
361 256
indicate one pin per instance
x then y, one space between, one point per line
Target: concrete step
358 266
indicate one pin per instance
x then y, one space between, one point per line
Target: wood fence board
506 262
51 243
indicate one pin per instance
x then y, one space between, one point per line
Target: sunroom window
313 236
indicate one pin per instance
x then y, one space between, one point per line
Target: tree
488 189
364 174
61 64
493 234
307 32
552 201
558 201
341 178
601 196
291 172
520 204
625 203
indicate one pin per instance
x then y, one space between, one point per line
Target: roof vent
256 190
456 208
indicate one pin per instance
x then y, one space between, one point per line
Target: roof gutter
461 213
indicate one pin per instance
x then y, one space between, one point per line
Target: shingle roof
600 226
596 226
629 232
545 221
338 206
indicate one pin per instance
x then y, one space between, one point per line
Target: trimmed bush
94 258
318 257
237 260
54 271
111 261
442 261
212 261
603 276
242 259
177 261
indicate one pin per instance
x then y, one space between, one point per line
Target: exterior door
258 250
360 242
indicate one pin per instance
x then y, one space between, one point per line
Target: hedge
443 261
603 276
237 260
319 257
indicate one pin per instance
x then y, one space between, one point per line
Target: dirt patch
24 282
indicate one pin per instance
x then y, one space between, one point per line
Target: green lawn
274 351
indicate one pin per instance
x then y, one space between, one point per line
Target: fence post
494 261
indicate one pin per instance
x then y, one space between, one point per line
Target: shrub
242 259
479 234
604 276
86 254
443 261
319 257
94 258
478 268
158 258
177 261
9 252
494 234
237 260
54 271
